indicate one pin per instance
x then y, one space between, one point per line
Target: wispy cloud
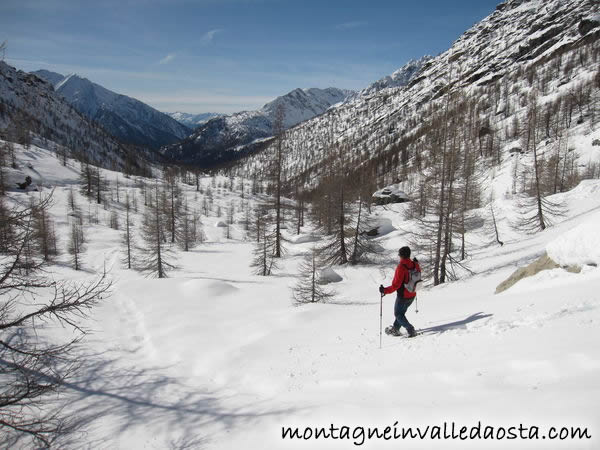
170 57
350 25
209 36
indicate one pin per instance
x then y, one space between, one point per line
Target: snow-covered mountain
192 120
399 78
126 118
524 47
228 137
31 110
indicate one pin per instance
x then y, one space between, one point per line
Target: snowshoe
392 331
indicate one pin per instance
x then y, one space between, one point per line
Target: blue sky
229 55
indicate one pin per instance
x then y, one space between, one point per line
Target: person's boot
412 333
392 331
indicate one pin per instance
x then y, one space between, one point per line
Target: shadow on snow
437 329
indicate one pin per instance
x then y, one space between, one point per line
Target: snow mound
579 246
329 275
383 226
220 224
303 238
587 188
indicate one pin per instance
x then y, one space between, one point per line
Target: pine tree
264 261
127 238
44 231
114 220
277 166
537 212
156 254
76 244
173 202
338 212
307 289
363 248
187 229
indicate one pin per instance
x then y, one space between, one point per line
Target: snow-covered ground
216 357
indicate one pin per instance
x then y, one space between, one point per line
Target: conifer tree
156 255
127 238
76 244
264 260
44 231
172 204
187 230
307 289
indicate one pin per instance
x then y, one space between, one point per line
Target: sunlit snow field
216 357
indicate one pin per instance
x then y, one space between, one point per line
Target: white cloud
170 57
209 36
350 25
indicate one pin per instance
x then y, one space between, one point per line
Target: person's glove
381 289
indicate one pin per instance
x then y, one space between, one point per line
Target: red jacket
401 277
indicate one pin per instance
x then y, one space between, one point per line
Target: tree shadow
438 329
114 400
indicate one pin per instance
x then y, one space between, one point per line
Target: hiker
404 296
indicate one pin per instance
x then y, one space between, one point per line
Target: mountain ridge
224 138
126 118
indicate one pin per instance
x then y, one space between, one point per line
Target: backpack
414 278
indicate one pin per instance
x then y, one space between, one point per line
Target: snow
389 191
216 357
579 246
304 238
328 275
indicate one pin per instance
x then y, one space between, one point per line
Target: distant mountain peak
124 117
221 138
192 120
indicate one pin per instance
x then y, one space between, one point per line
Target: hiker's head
404 252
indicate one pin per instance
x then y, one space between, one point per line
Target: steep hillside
399 78
228 138
525 48
126 118
30 109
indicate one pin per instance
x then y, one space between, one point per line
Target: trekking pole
416 305
380 318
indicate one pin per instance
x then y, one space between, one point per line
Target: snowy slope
521 47
220 138
124 117
215 357
400 78
30 104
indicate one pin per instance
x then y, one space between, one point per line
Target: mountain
399 78
545 50
126 118
31 110
229 137
192 120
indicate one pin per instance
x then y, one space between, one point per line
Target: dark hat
404 252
